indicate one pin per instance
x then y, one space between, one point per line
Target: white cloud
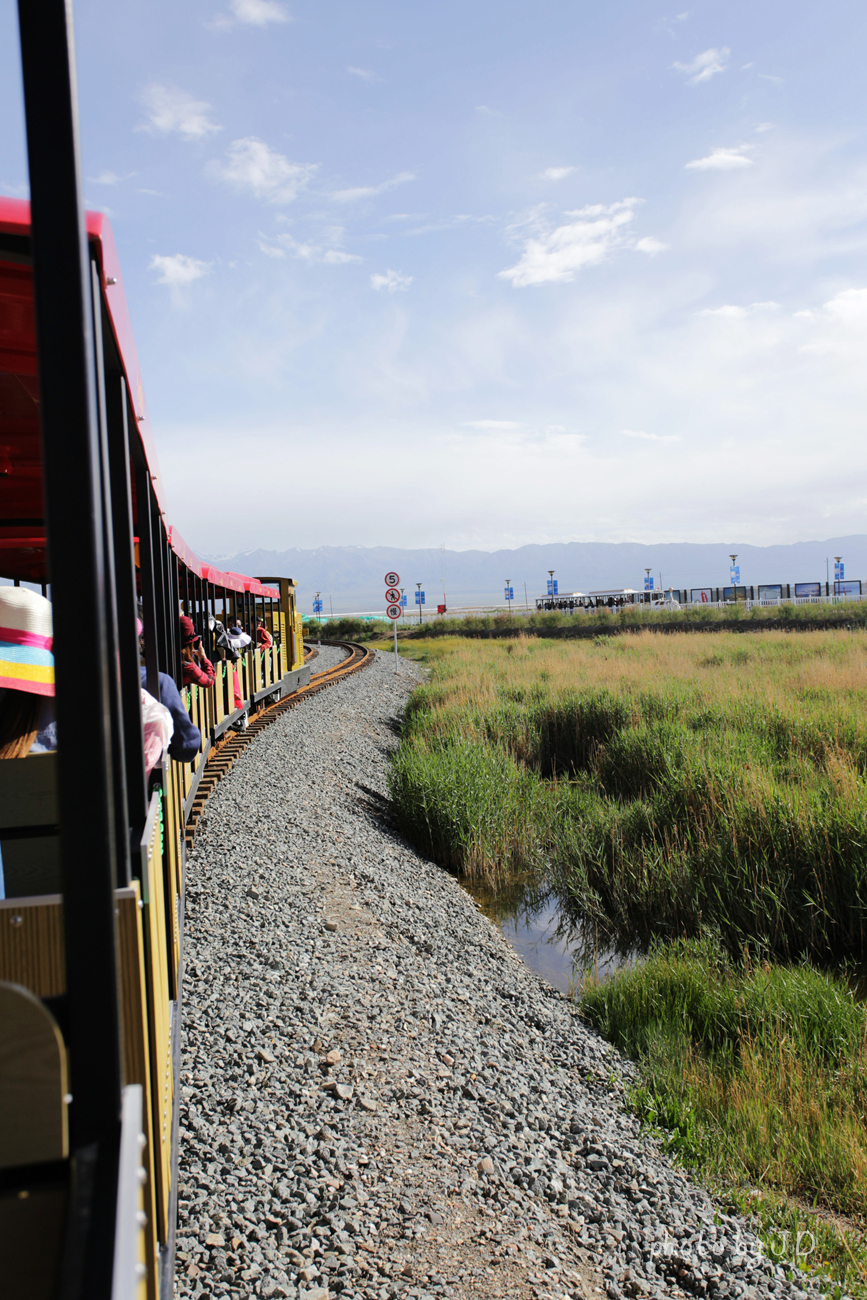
849 307
721 160
281 244
253 165
839 328
730 311
704 65
368 191
556 173
254 13
170 109
363 73
765 126
177 272
492 424
258 12
104 178
555 256
392 281
650 245
650 437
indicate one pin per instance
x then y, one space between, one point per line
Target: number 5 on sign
392 580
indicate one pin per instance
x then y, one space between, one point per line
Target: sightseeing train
92 819
771 593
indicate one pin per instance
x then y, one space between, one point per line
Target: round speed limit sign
394 611
392 596
392 580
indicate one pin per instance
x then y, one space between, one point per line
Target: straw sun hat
26 661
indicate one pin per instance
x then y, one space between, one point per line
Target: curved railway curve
224 754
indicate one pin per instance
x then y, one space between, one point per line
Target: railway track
224 754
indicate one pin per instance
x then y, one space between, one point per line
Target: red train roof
22 529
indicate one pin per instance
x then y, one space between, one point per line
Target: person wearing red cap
198 669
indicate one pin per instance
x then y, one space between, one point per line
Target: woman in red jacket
198 669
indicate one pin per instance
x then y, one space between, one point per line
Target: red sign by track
392 596
392 580
394 611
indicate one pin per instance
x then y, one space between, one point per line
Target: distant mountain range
351 577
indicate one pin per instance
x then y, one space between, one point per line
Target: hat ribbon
16 636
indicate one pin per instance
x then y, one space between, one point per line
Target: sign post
839 573
392 605
509 593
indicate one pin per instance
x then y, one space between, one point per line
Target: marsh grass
604 621
666 784
755 1077
703 799
346 629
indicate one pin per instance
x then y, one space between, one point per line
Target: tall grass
560 623
757 1076
668 784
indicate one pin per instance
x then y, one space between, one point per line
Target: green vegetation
755 1076
701 800
345 629
559 624
666 784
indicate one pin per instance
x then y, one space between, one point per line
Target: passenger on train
186 739
197 667
263 637
238 638
27 724
225 649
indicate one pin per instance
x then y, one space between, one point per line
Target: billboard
772 592
805 589
734 593
850 587
702 595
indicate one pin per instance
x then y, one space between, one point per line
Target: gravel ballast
379 1099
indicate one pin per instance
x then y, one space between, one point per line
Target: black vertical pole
124 561
73 509
121 818
175 630
148 579
163 651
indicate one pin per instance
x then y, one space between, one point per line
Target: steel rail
223 755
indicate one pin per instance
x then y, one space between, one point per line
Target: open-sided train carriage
92 847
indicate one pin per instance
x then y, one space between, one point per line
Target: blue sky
486 273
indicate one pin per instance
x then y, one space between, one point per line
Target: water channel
555 945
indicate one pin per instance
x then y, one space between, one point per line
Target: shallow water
554 945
